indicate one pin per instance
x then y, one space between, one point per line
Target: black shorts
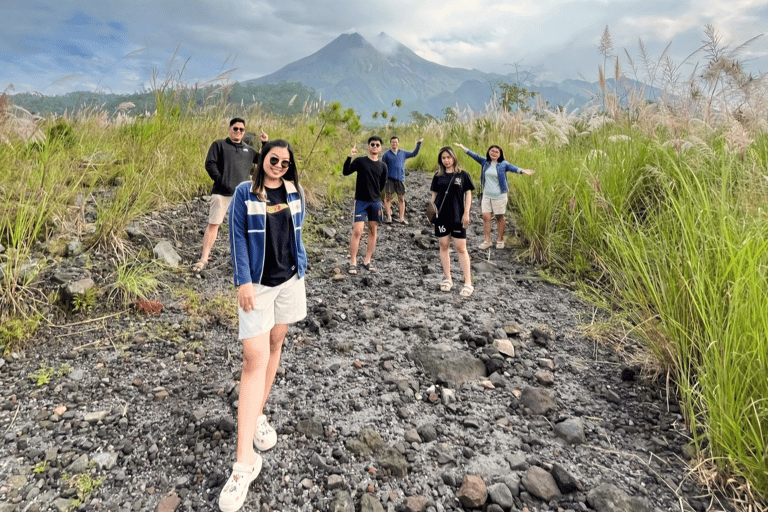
394 187
456 230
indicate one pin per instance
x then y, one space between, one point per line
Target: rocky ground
391 395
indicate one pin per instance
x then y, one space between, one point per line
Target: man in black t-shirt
371 178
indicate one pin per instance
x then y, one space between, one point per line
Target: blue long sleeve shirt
502 168
248 232
396 162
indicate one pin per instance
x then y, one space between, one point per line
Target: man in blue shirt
395 160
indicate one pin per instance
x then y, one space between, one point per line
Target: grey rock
105 460
609 498
545 378
566 482
443 363
342 502
512 329
328 232
505 347
571 430
76 375
335 482
415 504
62 504
165 252
517 461
500 494
366 443
95 417
311 427
79 465
369 503
393 461
512 481
412 436
77 288
427 432
498 380
540 483
74 248
538 400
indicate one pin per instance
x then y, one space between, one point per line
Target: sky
53 47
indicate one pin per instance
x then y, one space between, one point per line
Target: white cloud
124 42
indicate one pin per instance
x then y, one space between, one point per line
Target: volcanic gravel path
142 406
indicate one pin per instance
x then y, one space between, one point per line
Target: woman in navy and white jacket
269 262
493 180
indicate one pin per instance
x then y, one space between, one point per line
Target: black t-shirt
279 257
455 185
371 177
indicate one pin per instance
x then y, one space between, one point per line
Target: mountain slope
369 78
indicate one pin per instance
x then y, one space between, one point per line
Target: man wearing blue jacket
395 160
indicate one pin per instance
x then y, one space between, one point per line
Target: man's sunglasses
285 164
374 144
237 129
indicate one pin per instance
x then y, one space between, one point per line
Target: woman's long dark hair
501 153
441 167
292 174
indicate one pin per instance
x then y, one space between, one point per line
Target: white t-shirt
491 189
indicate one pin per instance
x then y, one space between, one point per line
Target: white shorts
495 206
219 207
282 304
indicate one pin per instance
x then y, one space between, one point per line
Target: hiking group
267 208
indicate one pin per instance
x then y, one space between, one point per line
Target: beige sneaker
235 490
265 436
485 245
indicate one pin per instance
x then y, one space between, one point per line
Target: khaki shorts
219 207
495 206
282 304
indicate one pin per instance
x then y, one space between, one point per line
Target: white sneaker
265 436
485 245
235 490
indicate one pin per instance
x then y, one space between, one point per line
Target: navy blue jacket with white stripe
247 232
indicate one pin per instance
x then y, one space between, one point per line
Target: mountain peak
353 40
388 45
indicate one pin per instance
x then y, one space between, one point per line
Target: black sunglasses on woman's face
284 164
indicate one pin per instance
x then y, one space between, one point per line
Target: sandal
370 267
352 270
199 266
485 245
500 244
446 285
466 290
